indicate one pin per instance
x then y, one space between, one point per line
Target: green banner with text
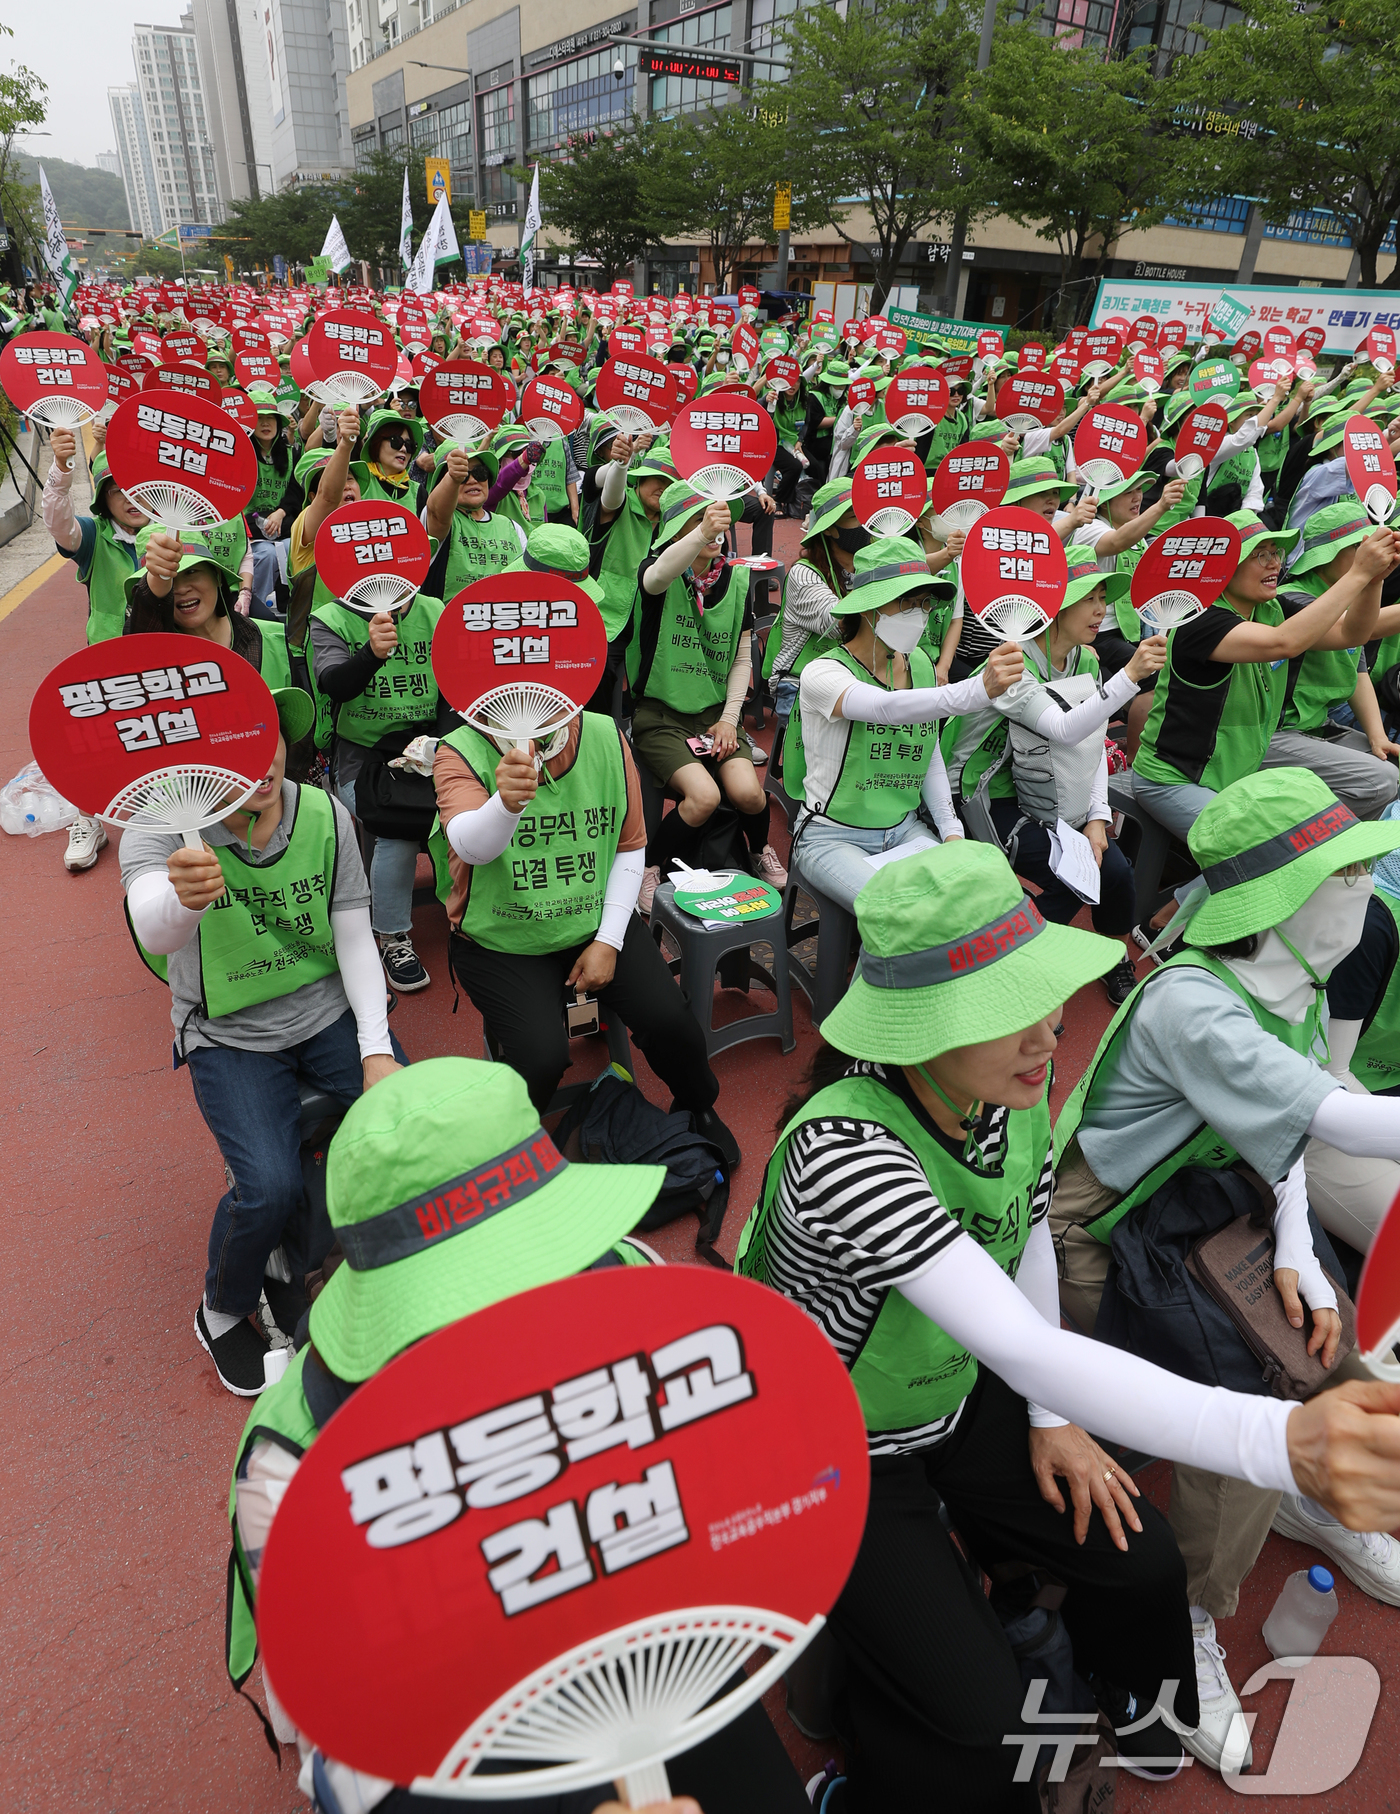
958 336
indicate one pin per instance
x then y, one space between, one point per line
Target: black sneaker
709 1127
1147 1746
237 1355
1145 933
287 1302
1120 982
401 965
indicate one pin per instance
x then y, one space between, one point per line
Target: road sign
782 207
439 175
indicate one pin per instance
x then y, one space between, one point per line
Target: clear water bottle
1302 1612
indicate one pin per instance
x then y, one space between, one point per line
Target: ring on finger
1108 1473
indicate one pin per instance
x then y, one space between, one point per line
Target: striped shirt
855 1217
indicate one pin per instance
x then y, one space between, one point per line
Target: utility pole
959 234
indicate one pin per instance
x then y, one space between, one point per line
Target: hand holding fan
56 379
1109 445
1014 572
373 556
724 444
1199 437
970 481
1370 466
181 460
163 731
519 654
550 408
1183 570
889 491
352 358
570 1520
635 392
463 400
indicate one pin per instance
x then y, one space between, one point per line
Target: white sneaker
646 894
85 839
1369 1558
1222 1738
769 868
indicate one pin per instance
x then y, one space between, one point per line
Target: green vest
402 691
546 493
105 578
910 1372
270 932
478 549
1204 1147
1170 518
1376 1062
695 649
627 546
884 765
1127 619
545 890
274 665
1241 709
1318 678
270 487
1239 470
373 488
1272 450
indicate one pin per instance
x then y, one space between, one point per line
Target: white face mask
901 630
1320 933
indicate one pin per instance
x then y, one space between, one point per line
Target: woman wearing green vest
103 547
619 521
263 936
904 1209
454 1118
865 755
1218 699
185 586
816 582
269 511
689 663
1218 1057
473 542
384 469
377 674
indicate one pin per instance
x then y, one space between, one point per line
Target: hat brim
1115 585
1142 477
665 534
888 591
1254 906
361 1320
1286 538
1016 494
1323 555
906 1026
296 712
829 516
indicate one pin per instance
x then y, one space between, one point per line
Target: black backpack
614 1124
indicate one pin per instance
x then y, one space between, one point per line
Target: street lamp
451 68
245 165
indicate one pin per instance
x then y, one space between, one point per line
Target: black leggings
934 1685
521 1000
789 470
1113 912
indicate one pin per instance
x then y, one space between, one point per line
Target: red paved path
113 1538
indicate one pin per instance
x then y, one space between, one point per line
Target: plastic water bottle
1302 1612
277 1360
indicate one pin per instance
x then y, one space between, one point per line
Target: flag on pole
406 228
56 255
532 227
438 246
335 247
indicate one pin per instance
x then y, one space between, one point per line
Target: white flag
438 246
406 228
335 247
56 256
532 227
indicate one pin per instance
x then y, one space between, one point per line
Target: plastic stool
703 950
837 939
619 1052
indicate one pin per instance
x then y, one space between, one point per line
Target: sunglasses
401 442
479 475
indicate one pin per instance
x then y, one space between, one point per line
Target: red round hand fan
184 345
181 460
1150 370
550 408
1198 438
241 408
916 400
784 373
889 491
724 444
970 480
57 379
1014 572
353 357
254 367
464 401
1033 357
635 392
1109 445
1029 400
373 556
1184 570
1370 466
185 379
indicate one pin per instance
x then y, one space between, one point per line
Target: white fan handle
193 841
640 1788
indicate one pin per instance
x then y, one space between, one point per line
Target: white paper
1072 860
909 848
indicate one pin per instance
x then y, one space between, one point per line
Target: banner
406 226
477 260
476 223
439 177
61 272
1345 317
782 207
532 227
958 336
438 246
335 248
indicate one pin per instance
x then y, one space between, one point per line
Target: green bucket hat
309 463
201 555
1327 532
954 952
1330 432
1265 843
264 401
1177 405
655 463
296 712
989 430
1030 477
830 502
556 548
1141 477
886 570
835 374
382 419
1252 532
1242 404
491 461
1084 575
447 1195
680 502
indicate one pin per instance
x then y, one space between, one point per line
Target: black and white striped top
855 1218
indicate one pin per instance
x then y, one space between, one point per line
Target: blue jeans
832 857
250 1105
391 871
265 576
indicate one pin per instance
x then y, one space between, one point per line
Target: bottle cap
277 1360
1318 1577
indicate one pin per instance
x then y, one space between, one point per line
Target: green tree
292 223
158 261
85 197
22 103
1317 94
1077 149
875 104
370 209
597 198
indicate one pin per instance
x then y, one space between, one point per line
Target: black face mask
851 541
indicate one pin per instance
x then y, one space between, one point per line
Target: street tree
595 198
23 102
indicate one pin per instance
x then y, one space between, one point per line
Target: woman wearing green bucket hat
473 541
863 753
418 1143
907 1192
279 878
192 586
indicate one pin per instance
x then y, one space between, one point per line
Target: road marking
16 596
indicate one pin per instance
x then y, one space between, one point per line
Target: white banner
1345 316
527 241
406 226
438 246
61 271
335 247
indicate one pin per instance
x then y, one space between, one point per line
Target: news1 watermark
1331 1704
